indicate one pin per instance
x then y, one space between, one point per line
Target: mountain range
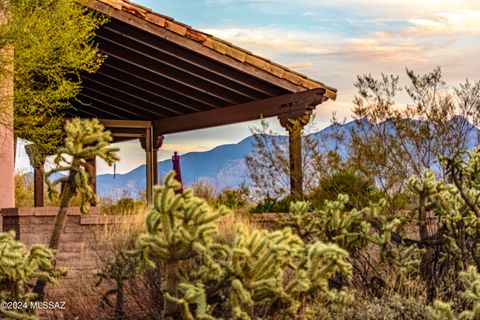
224 166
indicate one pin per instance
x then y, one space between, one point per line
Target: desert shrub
257 273
20 268
470 304
23 189
360 190
234 198
124 206
204 189
392 306
269 205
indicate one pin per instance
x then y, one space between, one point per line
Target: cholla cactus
440 311
85 139
258 264
356 231
20 267
455 224
261 274
470 280
179 227
350 229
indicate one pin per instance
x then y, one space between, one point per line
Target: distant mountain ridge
223 166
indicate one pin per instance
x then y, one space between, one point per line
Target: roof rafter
275 106
207 45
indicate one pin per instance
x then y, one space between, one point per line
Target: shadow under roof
159 70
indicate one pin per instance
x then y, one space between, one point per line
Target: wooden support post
151 146
158 141
294 124
149 164
155 166
38 185
295 153
93 177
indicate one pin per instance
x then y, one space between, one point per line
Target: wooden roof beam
154 86
194 62
289 103
172 67
194 46
171 73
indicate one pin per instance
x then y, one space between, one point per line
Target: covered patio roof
160 70
161 76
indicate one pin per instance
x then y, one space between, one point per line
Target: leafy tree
53 45
269 165
390 143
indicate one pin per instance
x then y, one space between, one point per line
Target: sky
329 41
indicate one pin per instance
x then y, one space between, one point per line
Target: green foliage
85 139
23 189
234 198
361 191
19 268
53 45
124 206
261 274
470 280
269 205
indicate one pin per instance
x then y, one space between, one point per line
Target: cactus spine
261 274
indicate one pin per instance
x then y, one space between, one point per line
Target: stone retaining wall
81 249
34 225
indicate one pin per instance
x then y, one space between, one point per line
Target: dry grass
227 225
81 294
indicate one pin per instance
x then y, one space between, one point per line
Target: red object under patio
176 168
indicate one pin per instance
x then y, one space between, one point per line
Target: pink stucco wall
7 154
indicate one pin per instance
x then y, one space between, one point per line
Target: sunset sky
330 41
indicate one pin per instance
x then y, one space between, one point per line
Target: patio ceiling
181 79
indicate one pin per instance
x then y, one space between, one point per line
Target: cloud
333 41
456 23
